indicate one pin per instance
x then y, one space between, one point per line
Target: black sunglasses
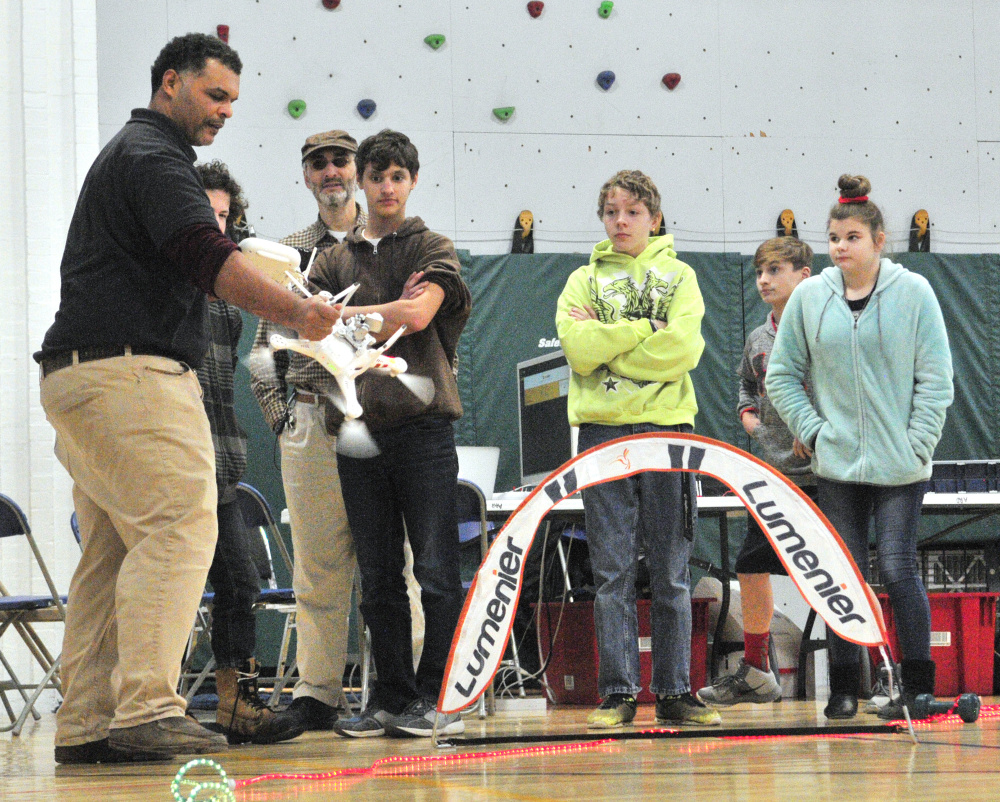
320 162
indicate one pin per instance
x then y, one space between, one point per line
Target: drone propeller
354 440
421 386
260 362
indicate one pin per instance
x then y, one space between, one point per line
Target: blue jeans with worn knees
896 513
412 481
236 583
645 511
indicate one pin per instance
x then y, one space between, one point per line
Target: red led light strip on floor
409 764
397 765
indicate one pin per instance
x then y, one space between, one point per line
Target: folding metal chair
20 612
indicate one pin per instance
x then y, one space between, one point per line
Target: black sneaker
312 713
841 706
369 723
418 719
685 709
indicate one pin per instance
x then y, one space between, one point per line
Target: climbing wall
737 110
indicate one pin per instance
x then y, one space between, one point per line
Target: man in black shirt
142 253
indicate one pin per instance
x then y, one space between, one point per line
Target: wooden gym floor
953 761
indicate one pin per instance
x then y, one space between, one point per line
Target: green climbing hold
604 9
435 40
296 108
503 113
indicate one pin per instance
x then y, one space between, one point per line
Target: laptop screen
543 424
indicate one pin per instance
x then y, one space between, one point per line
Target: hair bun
853 186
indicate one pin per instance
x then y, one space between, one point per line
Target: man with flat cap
291 398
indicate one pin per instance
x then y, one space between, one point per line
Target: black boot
843 691
918 678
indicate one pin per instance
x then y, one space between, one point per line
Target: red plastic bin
572 668
962 632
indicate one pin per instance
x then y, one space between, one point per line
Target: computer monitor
546 439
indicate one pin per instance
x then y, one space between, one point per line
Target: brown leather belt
63 359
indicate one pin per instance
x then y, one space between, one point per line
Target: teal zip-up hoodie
882 383
624 369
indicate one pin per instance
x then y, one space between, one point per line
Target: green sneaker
685 709
616 710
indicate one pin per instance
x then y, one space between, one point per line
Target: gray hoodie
773 435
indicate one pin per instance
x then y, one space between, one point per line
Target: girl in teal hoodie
871 335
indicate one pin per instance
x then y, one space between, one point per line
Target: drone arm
352 409
395 336
344 296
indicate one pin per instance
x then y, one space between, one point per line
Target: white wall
905 93
48 138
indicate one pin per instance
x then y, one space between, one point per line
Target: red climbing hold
535 8
331 4
223 32
671 79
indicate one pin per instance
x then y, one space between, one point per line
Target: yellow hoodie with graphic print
624 369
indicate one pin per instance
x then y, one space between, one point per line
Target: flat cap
329 139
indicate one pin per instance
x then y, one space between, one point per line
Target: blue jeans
413 482
236 583
896 511
642 511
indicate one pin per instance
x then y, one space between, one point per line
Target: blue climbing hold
605 79
366 107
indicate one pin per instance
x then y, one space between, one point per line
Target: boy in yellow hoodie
630 325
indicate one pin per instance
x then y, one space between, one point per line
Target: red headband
859 199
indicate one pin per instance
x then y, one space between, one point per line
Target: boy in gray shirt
781 264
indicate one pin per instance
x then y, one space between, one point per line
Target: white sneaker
880 690
748 684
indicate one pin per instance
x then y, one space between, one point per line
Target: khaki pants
323 553
132 433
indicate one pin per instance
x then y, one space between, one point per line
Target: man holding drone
142 253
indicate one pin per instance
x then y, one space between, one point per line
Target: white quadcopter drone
347 352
